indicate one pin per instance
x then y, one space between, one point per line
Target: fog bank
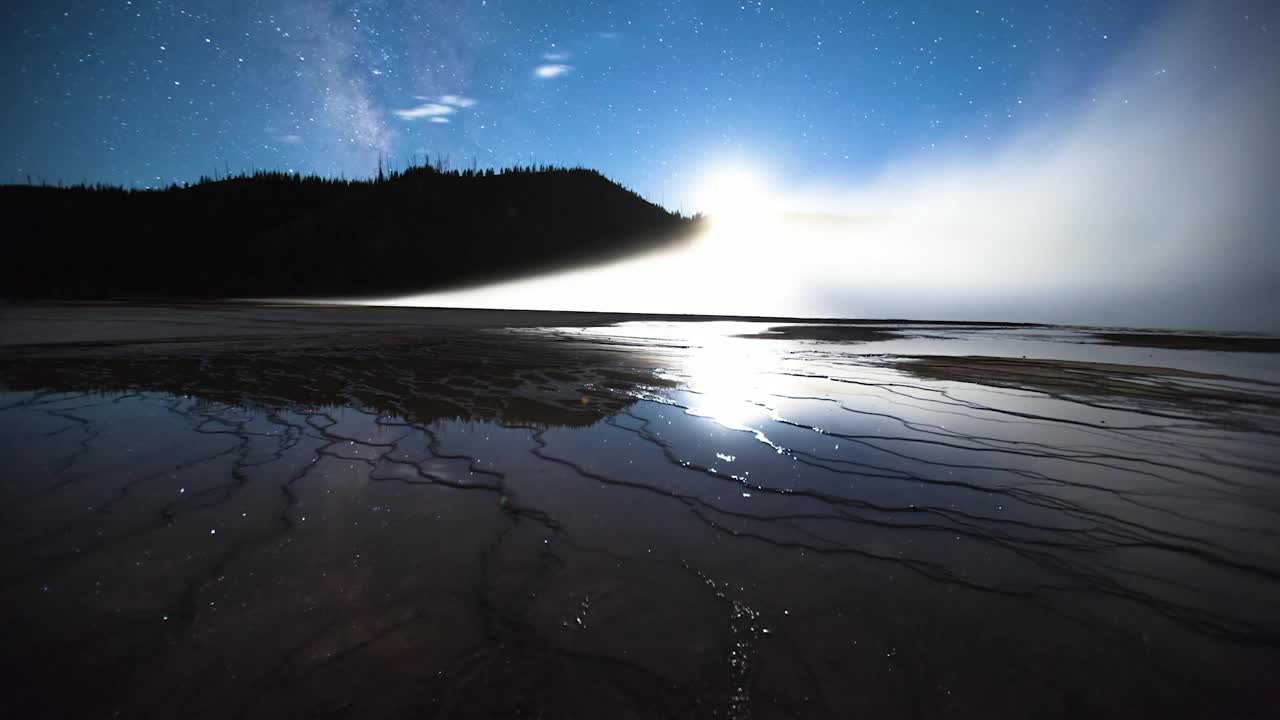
1155 205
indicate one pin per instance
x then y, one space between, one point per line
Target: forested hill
279 235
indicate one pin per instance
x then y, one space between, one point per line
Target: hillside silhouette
283 235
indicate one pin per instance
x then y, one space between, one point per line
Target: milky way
148 92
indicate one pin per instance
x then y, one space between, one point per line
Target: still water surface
642 520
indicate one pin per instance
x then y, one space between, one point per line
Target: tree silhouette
281 234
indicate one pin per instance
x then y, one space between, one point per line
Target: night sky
1064 161
144 92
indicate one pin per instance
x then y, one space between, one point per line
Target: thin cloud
435 109
556 57
457 101
545 72
426 110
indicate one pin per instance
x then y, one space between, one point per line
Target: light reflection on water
661 517
725 374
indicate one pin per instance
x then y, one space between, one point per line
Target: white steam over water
1154 206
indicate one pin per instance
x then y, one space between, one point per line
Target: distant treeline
273 234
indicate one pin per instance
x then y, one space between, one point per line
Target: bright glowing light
726 375
1088 218
723 373
735 192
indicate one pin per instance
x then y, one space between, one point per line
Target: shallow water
641 520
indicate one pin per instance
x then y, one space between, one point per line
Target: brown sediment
581 542
472 375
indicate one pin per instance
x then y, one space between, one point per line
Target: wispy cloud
556 57
550 71
426 110
457 101
435 109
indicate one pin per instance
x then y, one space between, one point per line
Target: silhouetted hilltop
278 235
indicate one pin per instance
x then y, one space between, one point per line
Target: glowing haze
1156 206
1059 160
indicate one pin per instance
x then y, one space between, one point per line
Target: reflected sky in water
667 518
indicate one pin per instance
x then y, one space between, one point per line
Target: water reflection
724 373
662 519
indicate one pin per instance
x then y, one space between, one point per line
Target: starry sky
1068 161
148 92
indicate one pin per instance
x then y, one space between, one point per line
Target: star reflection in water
728 525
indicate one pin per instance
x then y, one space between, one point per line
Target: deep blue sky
144 92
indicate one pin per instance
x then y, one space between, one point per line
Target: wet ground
283 512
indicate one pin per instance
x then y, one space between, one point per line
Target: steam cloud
1158 206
